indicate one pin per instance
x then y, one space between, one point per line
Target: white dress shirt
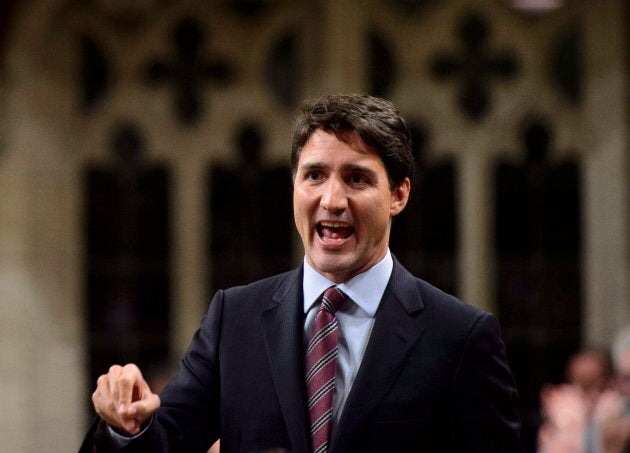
355 318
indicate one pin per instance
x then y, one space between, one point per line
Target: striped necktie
321 361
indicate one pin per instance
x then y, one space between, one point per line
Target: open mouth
334 230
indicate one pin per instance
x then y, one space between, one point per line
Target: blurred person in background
611 418
583 416
590 371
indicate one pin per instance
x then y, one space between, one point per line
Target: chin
336 265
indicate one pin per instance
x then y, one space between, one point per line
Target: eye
313 175
358 178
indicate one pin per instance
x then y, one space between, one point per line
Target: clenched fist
123 398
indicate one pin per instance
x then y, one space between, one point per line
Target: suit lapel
396 330
283 327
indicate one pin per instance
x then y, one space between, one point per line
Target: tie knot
332 299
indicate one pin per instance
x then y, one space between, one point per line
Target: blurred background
144 152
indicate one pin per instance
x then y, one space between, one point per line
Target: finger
102 386
104 405
129 378
112 380
102 397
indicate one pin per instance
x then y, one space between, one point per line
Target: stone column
42 346
476 267
18 308
606 173
189 261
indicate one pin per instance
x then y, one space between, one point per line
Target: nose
334 198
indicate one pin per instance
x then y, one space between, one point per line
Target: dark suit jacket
434 378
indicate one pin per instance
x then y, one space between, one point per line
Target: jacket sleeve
484 397
188 419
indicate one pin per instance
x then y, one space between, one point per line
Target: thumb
144 408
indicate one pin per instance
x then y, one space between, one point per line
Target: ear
400 196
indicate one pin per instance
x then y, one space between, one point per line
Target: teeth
333 224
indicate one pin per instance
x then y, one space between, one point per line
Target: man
414 368
589 371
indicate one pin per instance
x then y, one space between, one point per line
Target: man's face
343 205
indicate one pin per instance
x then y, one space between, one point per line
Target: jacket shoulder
436 306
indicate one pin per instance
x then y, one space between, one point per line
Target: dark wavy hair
375 120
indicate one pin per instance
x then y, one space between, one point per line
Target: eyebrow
346 168
313 166
354 168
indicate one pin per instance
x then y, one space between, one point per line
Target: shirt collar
365 289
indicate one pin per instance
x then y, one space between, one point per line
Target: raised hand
123 399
